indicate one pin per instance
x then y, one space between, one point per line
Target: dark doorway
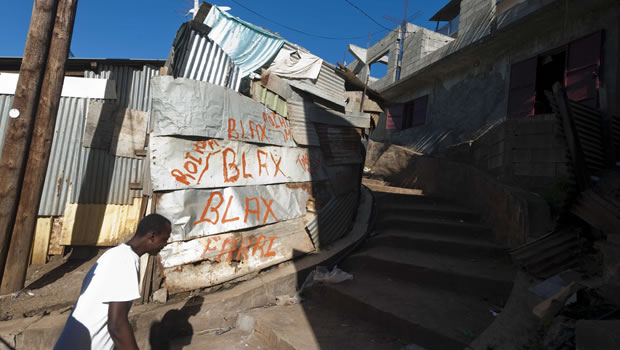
551 68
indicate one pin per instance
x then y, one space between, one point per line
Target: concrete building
495 67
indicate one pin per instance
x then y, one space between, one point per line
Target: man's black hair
152 223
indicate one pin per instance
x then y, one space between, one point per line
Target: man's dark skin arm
119 327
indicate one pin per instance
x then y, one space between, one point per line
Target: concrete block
534 169
496 161
521 155
535 141
525 127
161 296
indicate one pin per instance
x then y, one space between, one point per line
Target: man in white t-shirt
99 318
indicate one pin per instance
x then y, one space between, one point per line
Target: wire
367 15
300 31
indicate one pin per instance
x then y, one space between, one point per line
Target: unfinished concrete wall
473 13
419 42
470 90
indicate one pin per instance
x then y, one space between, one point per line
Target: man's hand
119 327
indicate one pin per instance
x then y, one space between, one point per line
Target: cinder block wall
529 152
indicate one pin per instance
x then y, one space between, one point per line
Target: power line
367 15
300 31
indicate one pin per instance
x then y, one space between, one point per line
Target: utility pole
20 125
38 157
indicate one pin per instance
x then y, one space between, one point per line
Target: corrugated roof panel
133 85
330 82
198 57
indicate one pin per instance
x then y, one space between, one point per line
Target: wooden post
38 157
19 129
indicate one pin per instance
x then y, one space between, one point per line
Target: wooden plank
55 248
277 85
14 155
238 258
41 240
39 151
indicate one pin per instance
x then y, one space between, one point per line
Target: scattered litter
549 287
222 331
217 331
336 275
551 306
288 300
494 313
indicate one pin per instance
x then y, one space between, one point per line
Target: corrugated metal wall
83 175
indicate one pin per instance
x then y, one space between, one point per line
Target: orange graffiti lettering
214 209
248 210
232 134
224 219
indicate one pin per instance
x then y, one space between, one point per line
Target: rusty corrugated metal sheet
304 132
270 99
198 57
550 254
100 224
333 220
330 82
340 145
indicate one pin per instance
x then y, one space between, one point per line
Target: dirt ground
50 288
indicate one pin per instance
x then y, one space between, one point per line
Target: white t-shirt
113 278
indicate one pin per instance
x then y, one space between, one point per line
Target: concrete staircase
429 278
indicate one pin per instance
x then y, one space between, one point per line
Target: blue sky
145 29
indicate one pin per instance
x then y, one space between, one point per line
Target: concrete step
420 223
484 277
312 325
430 210
459 245
234 339
429 317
